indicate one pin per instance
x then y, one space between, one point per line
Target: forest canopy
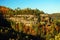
18 11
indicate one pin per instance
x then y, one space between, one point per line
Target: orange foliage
47 29
17 27
33 32
57 28
3 9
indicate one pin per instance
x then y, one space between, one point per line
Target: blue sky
48 6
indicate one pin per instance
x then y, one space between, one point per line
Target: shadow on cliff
4 22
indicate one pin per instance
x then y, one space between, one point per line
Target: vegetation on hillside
39 31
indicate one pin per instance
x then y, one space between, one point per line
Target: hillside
55 15
28 24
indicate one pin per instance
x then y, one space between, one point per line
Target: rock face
30 23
